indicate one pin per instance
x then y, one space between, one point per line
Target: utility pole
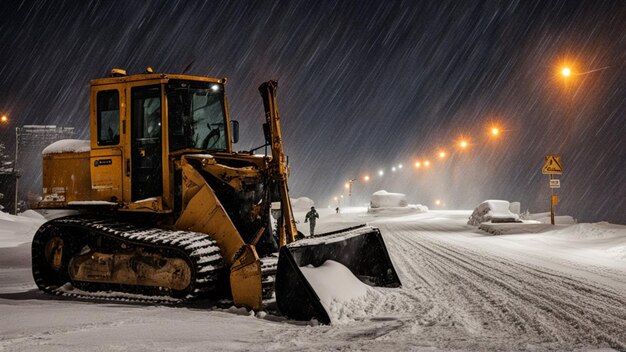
350 191
15 169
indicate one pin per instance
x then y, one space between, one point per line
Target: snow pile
409 209
384 202
16 230
545 218
67 146
343 295
302 203
384 199
33 215
515 208
495 211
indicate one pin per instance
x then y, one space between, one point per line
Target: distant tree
6 167
6 161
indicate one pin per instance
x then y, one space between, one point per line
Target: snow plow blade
361 249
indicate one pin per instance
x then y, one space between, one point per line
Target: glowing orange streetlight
4 118
463 144
441 154
418 164
347 185
566 71
366 178
426 163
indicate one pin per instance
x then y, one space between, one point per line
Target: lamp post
15 169
349 184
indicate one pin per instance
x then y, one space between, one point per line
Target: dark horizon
363 86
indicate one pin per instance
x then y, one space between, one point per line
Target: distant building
31 140
7 181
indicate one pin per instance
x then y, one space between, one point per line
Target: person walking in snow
310 218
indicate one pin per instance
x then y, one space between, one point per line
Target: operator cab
141 121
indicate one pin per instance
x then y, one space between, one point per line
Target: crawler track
197 249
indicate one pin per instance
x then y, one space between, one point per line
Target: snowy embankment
560 289
17 230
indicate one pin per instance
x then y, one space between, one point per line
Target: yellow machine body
103 176
160 155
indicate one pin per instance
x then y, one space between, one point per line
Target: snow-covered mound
494 211
545 218
33 215
384 202
16 230
302 203
409 209
384 199
67 146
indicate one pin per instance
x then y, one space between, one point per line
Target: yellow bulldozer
164 208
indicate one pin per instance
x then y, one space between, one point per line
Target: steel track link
198 249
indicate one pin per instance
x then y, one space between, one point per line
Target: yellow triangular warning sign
552 165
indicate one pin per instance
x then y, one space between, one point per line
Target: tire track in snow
600 319
560 306
465 298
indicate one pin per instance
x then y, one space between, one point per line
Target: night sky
363 86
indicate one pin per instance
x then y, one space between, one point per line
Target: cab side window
108 117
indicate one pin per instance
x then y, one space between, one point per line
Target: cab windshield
196 115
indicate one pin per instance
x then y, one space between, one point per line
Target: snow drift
494 211
383 199
17 230
302 203
384 202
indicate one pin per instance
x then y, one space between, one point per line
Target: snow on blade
67 146
341 293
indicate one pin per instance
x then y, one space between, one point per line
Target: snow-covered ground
557 288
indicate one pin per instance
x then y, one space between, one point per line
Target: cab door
146 142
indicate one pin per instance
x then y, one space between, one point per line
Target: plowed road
462 290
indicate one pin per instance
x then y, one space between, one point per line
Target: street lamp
349 187
4 118
441 154
463 143
567 71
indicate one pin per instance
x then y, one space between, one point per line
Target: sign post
553 167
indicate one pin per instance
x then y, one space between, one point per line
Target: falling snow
364 86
